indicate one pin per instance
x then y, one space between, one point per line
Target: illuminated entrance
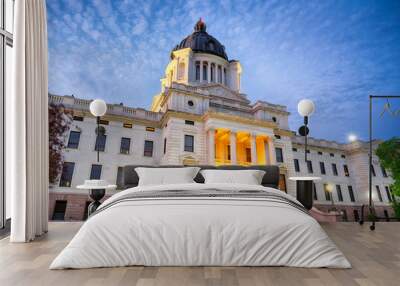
241 148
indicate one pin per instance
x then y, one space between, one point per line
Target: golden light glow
223 150
222 146
261 142
243 148
329 187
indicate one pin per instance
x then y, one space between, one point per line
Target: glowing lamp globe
305 107
352 137
329 187
98 107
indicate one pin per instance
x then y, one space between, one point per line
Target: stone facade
201 117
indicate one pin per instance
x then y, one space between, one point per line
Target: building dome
200 41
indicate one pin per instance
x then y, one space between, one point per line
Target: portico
238 147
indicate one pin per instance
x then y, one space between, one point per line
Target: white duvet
206 231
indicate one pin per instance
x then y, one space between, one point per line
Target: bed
201 224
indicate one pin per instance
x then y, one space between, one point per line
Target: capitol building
201 117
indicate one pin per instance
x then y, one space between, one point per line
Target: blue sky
333 52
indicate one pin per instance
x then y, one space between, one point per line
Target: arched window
205 67
212 73
219 74
181 71
198 71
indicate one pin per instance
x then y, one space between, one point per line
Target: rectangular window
327 192
343 156
319 153
279 155
73 141
248 155
388 194
128 125
100 143
294 149
150 129
6 66
339 193
189 143
278 136
308 151
310 167
351 193
67 173
373 171
78 118
189 122
346 171
384 174
119 178
197 71
228 151
165 145
378 192
59 210
296 165
332 155
125 145
205 67
104 122
315 192
334 169
225 77
95 172
148 148
322 168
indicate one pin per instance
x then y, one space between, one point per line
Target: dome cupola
200 26
201 42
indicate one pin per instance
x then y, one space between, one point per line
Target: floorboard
375 257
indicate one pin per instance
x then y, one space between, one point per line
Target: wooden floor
375 257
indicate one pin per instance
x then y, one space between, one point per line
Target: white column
253 149
233 148
272 154
211 146
266 152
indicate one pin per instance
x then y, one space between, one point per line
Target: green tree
60 120
389 156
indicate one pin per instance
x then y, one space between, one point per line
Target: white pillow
248 177
166 176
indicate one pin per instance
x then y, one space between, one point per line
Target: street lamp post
329 188
98 108
97 188
305 108
304 185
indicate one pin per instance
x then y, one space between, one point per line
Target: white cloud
140 26
288 50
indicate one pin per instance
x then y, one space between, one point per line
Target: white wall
110 159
